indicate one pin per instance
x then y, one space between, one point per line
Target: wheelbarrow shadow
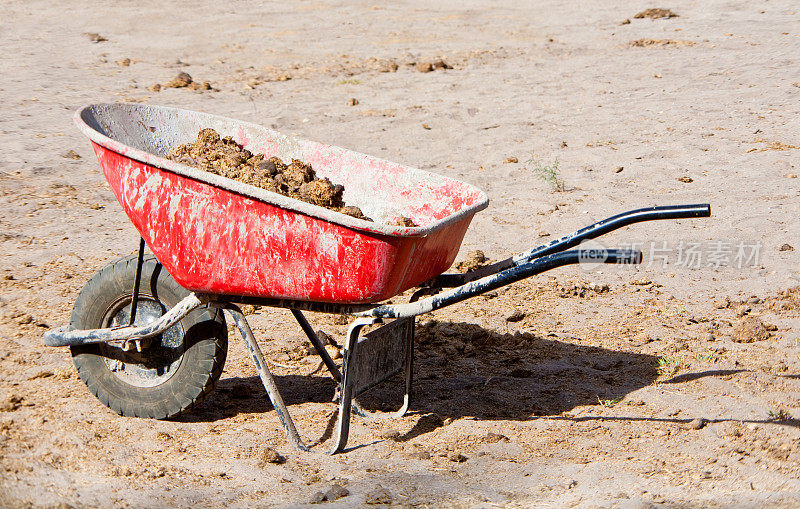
466 370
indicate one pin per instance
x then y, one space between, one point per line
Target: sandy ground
592 399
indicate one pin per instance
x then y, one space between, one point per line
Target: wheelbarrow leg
266 378
312 336
346 396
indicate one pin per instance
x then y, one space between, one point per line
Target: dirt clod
225 157
94 37
474 260
336 492
378 496
750 329
656 14
493 438
456 457
270 455
516 316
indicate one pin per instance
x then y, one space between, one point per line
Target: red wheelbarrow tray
220 236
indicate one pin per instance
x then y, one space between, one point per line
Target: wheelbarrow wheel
163 376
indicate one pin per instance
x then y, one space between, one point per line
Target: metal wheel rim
158 361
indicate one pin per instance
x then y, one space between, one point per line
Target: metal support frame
266 377
137 281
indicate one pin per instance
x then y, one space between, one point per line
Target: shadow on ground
465 370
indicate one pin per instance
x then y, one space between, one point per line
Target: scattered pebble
656 14
336 492
474 260
698 423
641 282
750 329
493 438
685 179
125 62
353 101
419 455
71 154
424 67
791 176
456 457
95 37
516 316
379 495
270 455
511 159
426 127
12 402
786 247
391 434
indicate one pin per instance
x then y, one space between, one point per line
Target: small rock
95 37
125 62
656 14
424 67
24 319
791 176
750 329
563 144
722 304
493 438
379 495
353 101
626 21
11 403
685 179
270 455
510 159
419 455
183 79
426 127
473 261
318 498
440 64
71 154
154 88
456 457
641 282
786 247
391 434
336 492
698 423
516 316
619 169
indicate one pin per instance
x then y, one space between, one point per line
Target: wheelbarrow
148 334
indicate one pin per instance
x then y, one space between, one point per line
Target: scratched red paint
216 241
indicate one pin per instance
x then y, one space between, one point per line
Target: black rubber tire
204 347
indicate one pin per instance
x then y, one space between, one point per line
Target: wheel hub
143 363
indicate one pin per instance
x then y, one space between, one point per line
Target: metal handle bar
508 276
573 239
